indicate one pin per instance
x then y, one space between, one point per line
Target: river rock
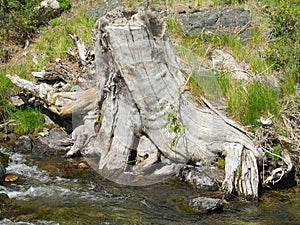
4 158
222 20
2 172
203 178
54 144
23 144
206 205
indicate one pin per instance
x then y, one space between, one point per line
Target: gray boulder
223 20
102 9
206 205
203 178
56 143
23 144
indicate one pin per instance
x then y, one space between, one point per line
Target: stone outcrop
233 21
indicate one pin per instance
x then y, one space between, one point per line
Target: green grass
27 120
54 42
247 102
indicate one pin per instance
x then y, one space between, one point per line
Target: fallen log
64 104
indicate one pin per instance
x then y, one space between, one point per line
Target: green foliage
55 42
173 122
221 163
275 153
238 172
248 101
284 47
19 20
22 19
64 5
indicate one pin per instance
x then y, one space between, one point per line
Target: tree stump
146 125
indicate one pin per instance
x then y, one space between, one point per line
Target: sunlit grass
247 102
27 120
55 41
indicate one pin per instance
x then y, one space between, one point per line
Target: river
59 191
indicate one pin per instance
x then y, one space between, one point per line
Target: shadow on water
60 191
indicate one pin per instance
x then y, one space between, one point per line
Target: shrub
284 47
20 19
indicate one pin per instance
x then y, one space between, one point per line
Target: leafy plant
275 153
173 122
284 46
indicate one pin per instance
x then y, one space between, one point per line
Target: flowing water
55 191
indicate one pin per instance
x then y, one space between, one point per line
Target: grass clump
247 102
27 120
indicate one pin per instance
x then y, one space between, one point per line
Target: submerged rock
23 144
206 205
11 178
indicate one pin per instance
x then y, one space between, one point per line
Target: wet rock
54 144
223 20
203 178
4 157
103 9
23 145
206 205
2 172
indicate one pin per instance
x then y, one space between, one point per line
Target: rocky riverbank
200 185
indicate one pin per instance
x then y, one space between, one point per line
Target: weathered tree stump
146 125
141 124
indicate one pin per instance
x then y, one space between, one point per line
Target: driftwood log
141 123
64 104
